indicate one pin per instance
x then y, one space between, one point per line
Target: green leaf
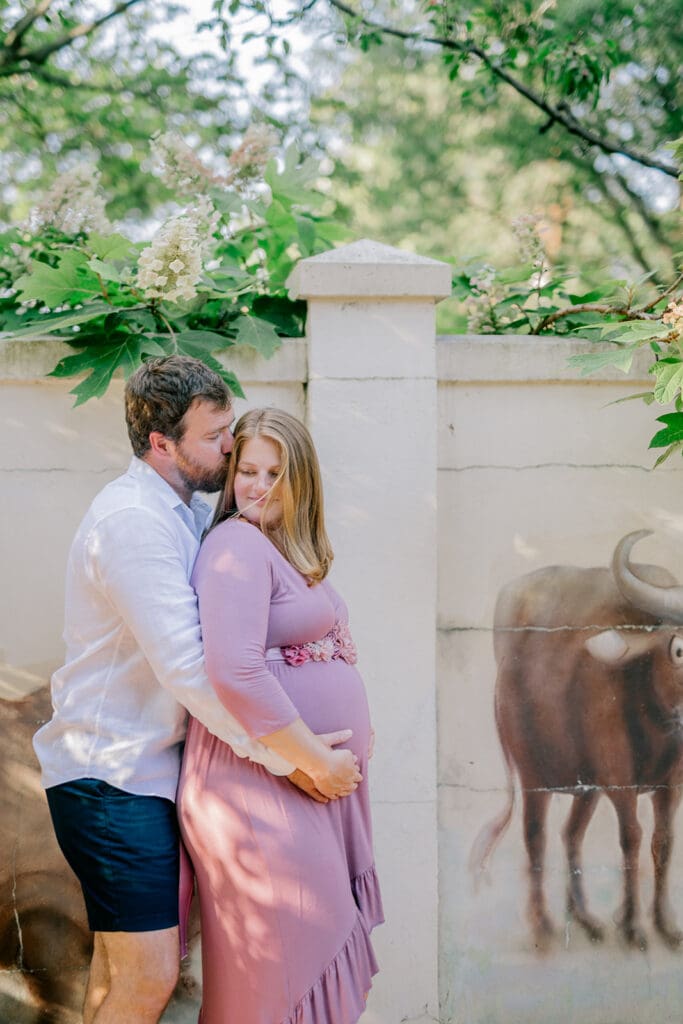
669 381
513 275
258 334
665 455
212 341
125 351
307 230
70 281
281 219
51 322
598 293
110 247
228 272
200 345
107 271
672 431
294 182
621 357
647 396
92 356
630 330
286 315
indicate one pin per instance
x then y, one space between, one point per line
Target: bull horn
666 603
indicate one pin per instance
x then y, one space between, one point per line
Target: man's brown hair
161 391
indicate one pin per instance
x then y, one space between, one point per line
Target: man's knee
151 994
145 964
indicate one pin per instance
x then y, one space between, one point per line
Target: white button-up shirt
134 659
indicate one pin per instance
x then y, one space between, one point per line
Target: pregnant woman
287 888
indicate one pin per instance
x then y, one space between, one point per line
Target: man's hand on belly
305 783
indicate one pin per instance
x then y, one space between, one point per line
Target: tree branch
556 113
595 307
621 218
15 35
669 291
651 223
41 54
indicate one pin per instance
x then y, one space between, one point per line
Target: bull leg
664 802
630 833
583 806
535 811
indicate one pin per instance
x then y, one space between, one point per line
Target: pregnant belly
329 696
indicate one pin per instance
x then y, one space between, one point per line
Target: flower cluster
484 278
73 205
673 317
252 154
335 644
170 267
178 165
480 306
529 245
180 168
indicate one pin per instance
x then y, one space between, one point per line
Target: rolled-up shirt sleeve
234 582
133 558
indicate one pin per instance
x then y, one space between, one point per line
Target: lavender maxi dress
287 887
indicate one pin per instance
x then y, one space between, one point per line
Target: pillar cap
367 269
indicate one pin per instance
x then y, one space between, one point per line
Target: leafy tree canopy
92 77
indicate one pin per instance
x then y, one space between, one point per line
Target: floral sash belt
335 644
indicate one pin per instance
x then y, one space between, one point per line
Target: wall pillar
372 408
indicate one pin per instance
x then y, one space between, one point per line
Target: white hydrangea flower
170 267
15 260
252 154
206 218
178 165
484 279
529 245
180 168
74 204
673 316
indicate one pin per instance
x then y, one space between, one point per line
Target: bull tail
489 836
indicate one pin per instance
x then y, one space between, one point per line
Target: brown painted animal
589 702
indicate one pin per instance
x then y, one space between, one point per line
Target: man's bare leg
98 980
133 975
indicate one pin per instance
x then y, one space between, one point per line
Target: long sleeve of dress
234 581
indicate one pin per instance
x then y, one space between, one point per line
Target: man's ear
160 443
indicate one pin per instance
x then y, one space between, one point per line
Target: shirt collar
195 515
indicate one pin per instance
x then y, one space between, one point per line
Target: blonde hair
300 534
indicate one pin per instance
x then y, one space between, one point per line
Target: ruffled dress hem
338 996
366 893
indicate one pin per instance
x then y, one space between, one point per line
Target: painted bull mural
589 702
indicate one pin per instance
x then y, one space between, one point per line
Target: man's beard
197 477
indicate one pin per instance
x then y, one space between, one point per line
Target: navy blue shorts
124 850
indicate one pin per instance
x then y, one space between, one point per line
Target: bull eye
676 650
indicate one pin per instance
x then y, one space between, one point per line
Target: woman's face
257 470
